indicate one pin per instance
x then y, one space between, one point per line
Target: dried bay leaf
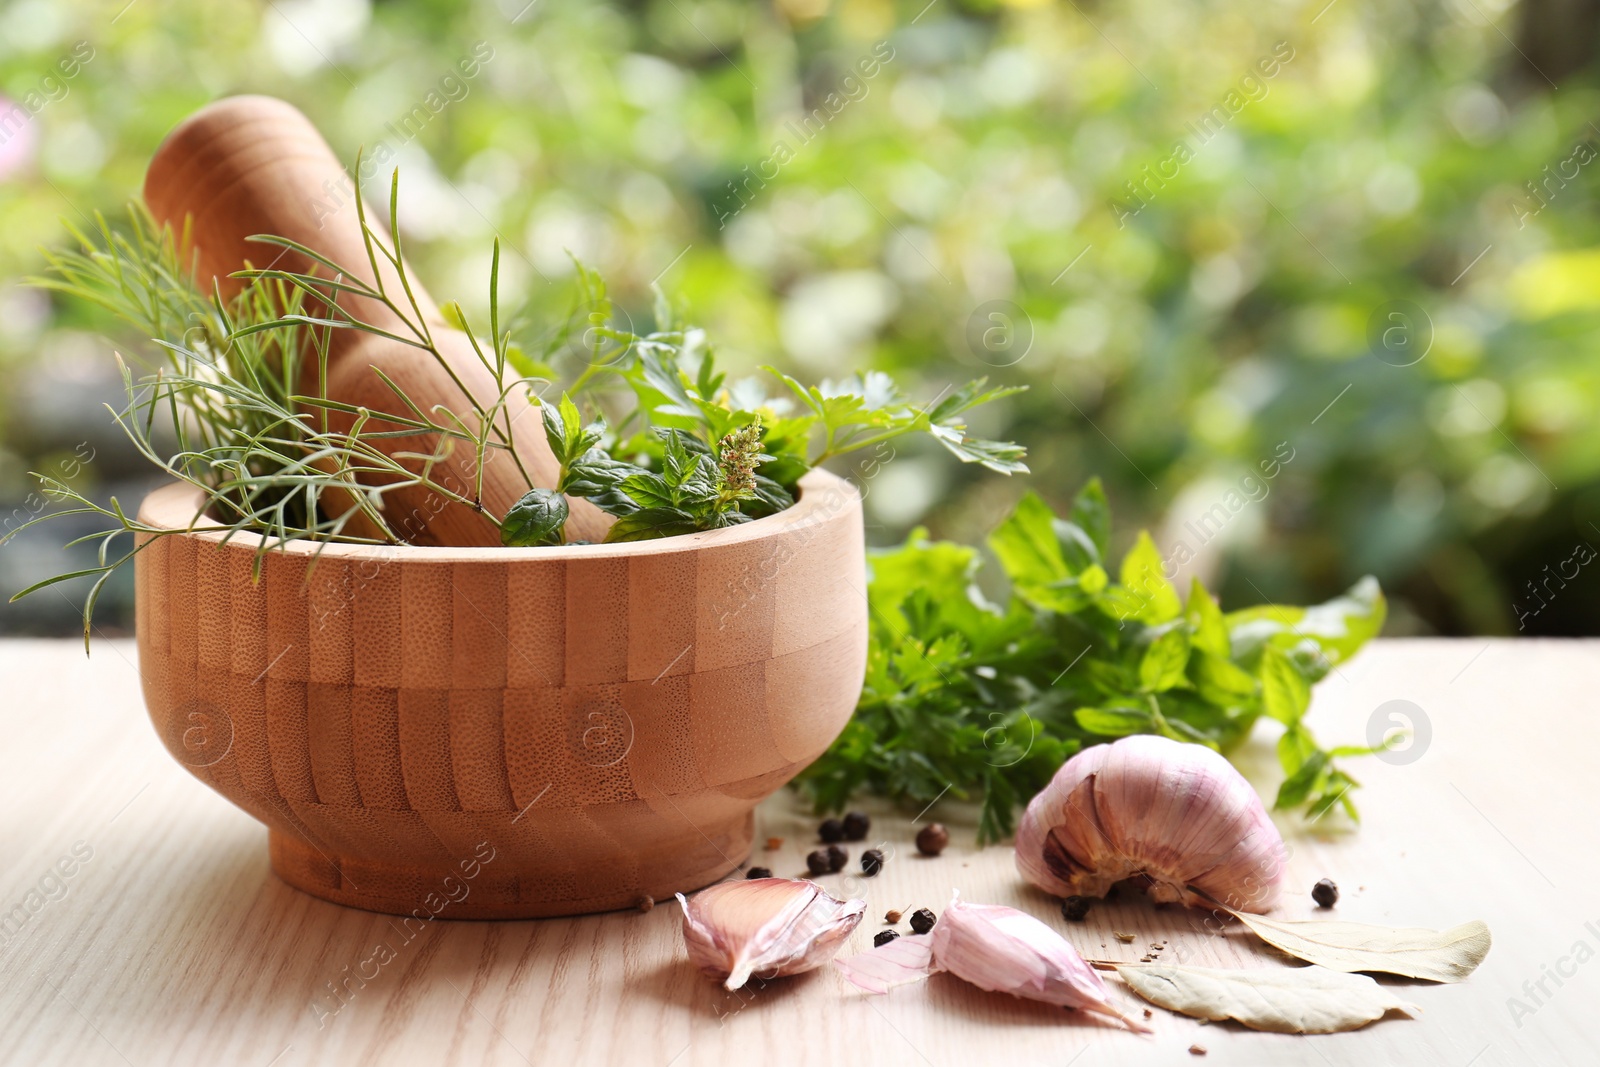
1412 952
1283 1000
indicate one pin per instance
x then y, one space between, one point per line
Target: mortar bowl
504 732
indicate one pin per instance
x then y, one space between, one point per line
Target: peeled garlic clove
995 948
1177 813
766 926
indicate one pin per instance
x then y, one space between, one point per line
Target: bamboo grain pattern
603 718
174 943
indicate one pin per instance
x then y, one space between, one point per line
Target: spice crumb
645 903
1126 939
774 843
1148 1013
1197 1050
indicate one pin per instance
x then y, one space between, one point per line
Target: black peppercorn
1325 893
831 830
932 839
856 825
758 872
922 920
837 858
871 862
817 861
883 938
1073 909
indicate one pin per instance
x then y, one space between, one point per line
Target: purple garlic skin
995 948
1177 813
769 927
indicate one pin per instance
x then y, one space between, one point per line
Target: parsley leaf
987 700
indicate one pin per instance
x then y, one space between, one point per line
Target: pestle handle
249 165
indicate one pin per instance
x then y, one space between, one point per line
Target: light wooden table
173 943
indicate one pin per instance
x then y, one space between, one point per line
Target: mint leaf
536 519
1113 722
1206 623
1144 592
1163 663
1027 547
1090 517
1285 694
648 523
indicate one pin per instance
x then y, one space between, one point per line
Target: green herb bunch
669 446
697 451
984 700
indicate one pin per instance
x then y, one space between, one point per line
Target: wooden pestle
248 165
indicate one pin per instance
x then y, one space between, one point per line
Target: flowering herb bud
817 861
1325 893
737 456
871 862
883 937
830 831
758 872
837 858
922 920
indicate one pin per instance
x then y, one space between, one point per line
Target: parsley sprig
987 700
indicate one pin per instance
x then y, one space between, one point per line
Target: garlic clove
767 926
1177 813
901 961
995 948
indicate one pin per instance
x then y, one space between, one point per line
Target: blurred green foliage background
1381 259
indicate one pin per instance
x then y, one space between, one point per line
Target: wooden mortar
249 165
505 732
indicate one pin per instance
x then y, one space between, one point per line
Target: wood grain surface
169 941
600 719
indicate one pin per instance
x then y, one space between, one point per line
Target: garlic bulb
765 926
993 947
1176 813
